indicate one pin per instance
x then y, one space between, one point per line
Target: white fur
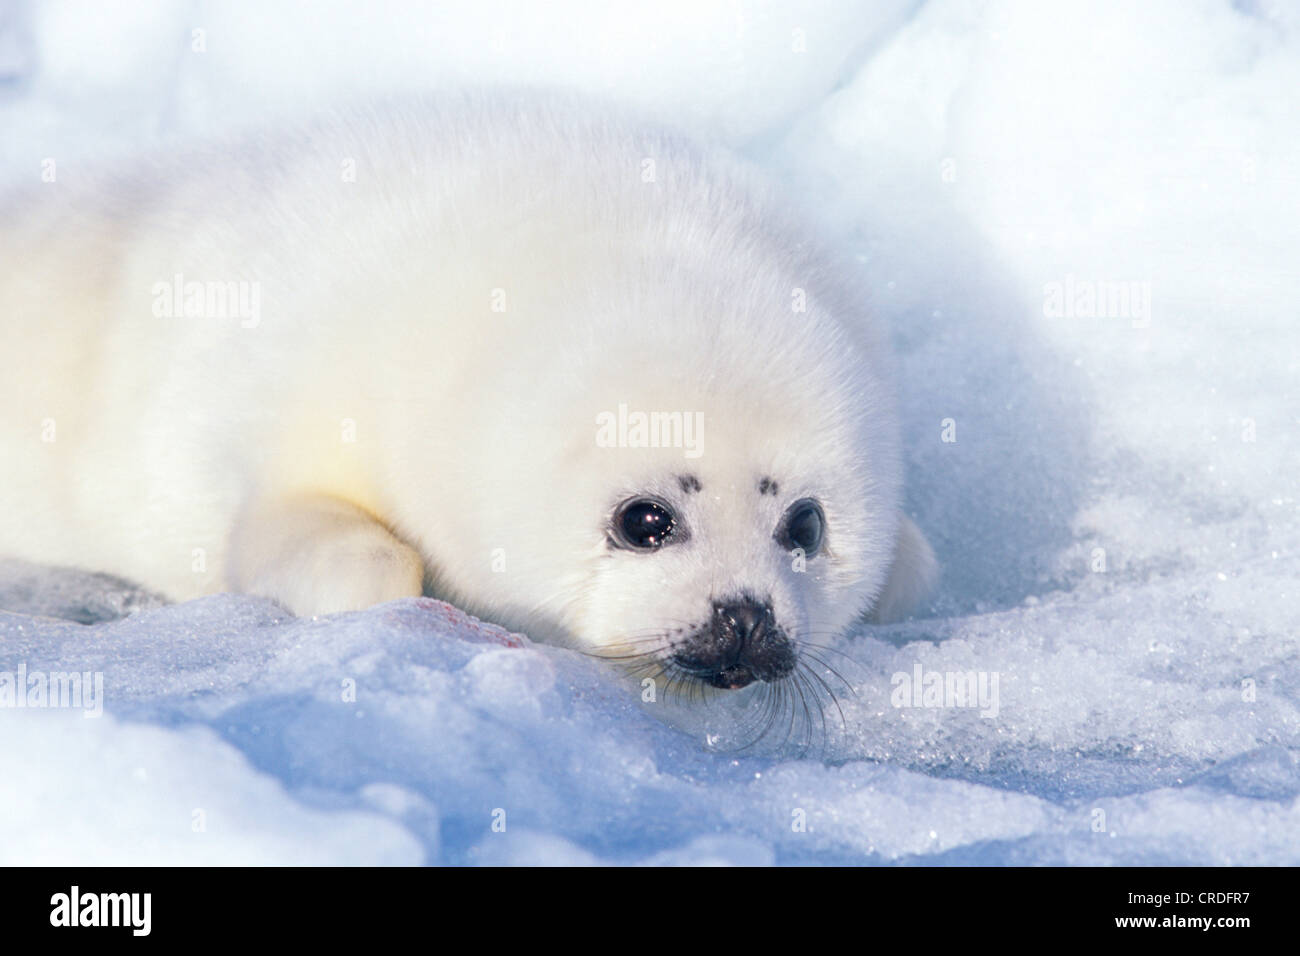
199 454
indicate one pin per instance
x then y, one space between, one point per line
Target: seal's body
578 376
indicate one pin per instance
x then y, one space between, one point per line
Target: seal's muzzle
741 644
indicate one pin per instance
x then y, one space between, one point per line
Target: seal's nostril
741 620
770 660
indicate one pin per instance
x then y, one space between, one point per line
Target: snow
1117 517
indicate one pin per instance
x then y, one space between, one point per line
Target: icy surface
1117 518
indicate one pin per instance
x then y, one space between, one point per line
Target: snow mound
411 731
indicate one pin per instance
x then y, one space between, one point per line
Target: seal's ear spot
911 577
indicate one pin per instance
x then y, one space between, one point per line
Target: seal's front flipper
319 555
911 577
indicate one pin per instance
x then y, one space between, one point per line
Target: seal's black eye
644 523
802 527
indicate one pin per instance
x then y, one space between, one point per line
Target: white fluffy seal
576 375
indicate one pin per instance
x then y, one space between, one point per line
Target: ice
100 792
137 71
1117 519
414 717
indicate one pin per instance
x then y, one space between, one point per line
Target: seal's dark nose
740 621
741 644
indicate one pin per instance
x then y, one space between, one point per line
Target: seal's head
689 460
730 554
737 638
704 495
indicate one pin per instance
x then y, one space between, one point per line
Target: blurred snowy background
1117 516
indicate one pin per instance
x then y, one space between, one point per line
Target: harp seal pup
573 373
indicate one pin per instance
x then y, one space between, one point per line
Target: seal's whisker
797 701
800 683
768 713
799 719
829 693
838 676
828 649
